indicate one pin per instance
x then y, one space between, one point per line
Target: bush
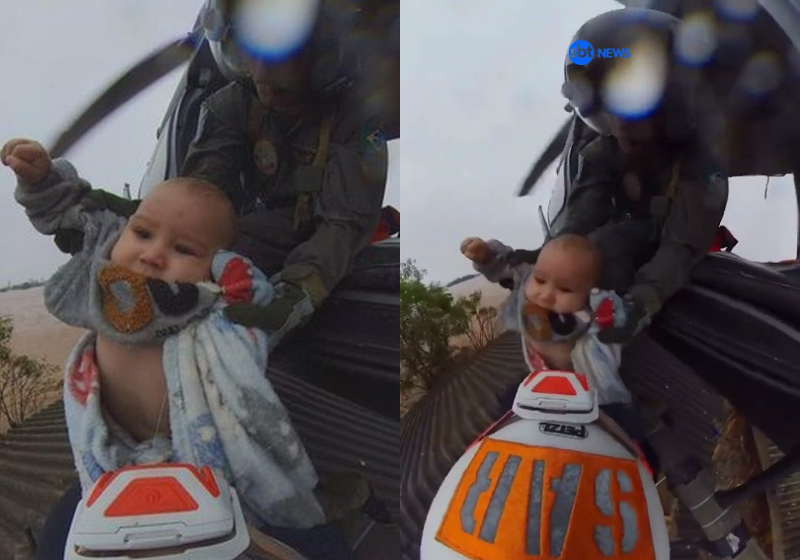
25 383
429 320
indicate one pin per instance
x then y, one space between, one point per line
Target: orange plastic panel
539 485
555 386
147 496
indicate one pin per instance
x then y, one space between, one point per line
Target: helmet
276 30
622 75
215 18
548 484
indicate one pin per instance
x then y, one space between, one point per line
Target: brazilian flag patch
372 140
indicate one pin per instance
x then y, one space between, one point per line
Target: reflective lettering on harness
566 489
498 503
480 486
535 503
535 509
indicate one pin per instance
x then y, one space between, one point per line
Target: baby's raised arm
476 250
488 257
50 190
28 159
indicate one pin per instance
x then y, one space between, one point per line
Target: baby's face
173 236
561 281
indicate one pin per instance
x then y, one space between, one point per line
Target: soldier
636 175
304 164
300 154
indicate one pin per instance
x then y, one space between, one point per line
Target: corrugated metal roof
35 468
36 464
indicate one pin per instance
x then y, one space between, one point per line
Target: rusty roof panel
784 502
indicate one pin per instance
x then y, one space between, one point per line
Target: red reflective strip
102 484
206 476
643 459
555 386
493 428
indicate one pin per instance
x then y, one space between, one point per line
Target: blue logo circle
581 52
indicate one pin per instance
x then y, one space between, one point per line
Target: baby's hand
28 159
476 250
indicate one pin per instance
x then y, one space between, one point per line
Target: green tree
24 383
482 321
429 319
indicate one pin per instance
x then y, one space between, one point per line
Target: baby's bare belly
133 387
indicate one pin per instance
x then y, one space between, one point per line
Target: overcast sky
480 88
56 57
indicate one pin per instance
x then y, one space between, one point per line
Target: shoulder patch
373 140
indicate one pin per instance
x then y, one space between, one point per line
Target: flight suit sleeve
590 197
219 149
687 235
350 191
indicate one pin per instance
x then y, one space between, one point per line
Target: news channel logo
582 52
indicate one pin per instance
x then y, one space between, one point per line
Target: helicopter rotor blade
550 154
134 81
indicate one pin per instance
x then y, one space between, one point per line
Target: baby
163 375
553 304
